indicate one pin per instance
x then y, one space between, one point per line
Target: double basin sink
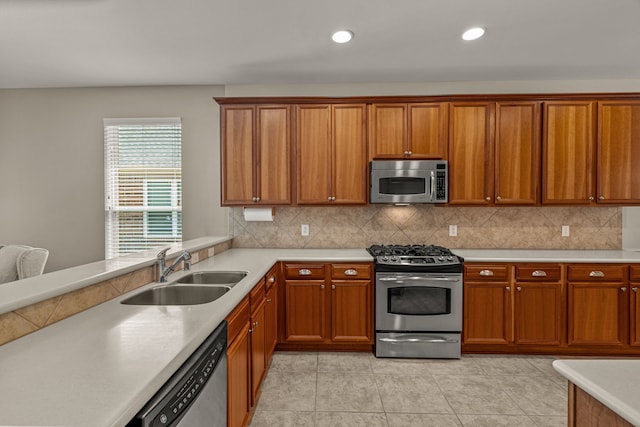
196 288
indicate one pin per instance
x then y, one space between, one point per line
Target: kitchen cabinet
568 159
271 314
618 151
598 305
487 304
258 339
238 366
539 309
256 154
471 131
328 306
331 154
408 131
587 411
634 306
494 153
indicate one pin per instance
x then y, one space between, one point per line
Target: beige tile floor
356 389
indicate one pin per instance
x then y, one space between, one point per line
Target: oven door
419 302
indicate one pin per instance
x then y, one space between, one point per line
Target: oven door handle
419 339
422 278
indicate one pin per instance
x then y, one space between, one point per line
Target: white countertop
98 368
615 383
547 255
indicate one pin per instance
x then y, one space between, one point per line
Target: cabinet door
517 158
387 131
428 130
487 308
237 155
618 152
351 311
598 314
470 153
271 322
539 313
273 180
258 358
305 310
238 380
568 174
313 128
349 146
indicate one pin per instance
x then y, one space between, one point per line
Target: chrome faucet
162 271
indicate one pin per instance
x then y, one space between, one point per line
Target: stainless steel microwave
409 181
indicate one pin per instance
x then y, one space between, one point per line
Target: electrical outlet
565 231
304 229
453 230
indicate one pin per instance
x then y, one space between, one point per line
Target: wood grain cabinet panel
618 152
351 304
471 129
331 159
539 313
634 306
239 365
256 154
517 153
408 131
305 310
487 313
568 152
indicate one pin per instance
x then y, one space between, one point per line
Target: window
143 184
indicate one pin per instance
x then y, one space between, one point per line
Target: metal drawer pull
634 289
272 279
596 273
423 340
623 289
486 273
539 273
304 272
351 272
518 288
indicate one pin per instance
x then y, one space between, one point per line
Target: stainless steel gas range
418 301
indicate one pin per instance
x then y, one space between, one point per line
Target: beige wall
52 157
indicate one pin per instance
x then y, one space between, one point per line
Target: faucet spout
163 271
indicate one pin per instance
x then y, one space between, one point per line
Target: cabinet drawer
238 319
271 277
351 271
487 273
540 273
304 271
635 273
257 295
597 273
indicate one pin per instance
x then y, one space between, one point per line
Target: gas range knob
394 258
384 258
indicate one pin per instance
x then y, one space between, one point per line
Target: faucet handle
163 253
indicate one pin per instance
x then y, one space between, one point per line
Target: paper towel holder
258 214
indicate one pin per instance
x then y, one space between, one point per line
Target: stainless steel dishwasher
196 395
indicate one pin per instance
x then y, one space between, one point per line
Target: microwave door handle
433 185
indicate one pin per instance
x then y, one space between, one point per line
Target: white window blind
143 184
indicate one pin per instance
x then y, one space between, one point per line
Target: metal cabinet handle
539 273
486 273
333 286
518 288
418 339
351 272
601 198
321 286
591 198
623 289
255 323
272 279
507 288
596 273
498 198
488 199
304 272
634 289
268 299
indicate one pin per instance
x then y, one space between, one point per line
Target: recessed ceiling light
342 36
473 33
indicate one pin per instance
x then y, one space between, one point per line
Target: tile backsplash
478 227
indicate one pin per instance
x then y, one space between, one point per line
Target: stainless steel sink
228 278
177 295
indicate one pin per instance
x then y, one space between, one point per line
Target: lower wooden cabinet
586 411
239 366
327 305
634 306
271 315
258 339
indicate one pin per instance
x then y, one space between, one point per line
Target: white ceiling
80 43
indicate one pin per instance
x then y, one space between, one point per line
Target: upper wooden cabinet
471 129
408 130
568 152
618 151
517 153
331 154
256 159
